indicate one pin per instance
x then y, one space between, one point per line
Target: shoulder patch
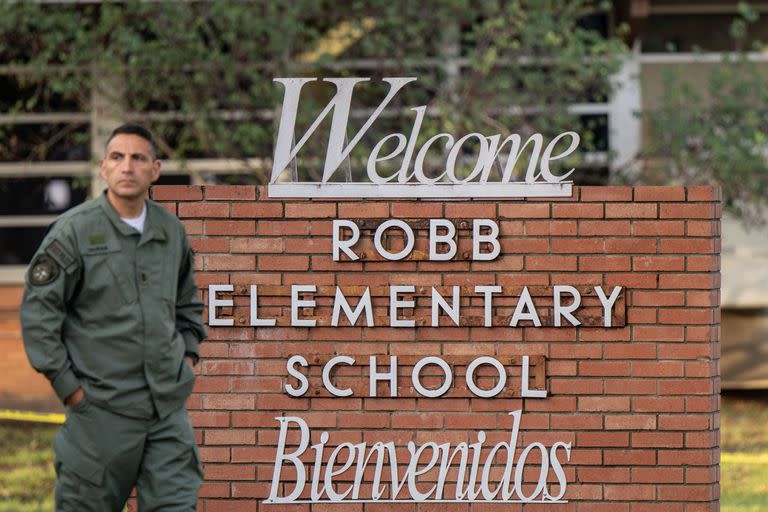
59 253
43 270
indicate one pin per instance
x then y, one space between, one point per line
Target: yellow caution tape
744 458
32 417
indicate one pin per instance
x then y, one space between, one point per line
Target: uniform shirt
114 311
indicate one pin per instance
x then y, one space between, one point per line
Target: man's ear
155 170
103 169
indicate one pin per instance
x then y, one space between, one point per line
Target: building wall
638 402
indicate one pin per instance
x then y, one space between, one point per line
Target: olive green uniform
114 311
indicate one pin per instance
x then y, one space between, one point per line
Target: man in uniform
112 318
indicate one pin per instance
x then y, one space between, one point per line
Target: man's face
128 167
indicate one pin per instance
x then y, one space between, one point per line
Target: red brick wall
639 402
21 387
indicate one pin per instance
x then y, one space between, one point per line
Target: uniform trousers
101 456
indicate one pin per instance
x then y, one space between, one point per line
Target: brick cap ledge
612 193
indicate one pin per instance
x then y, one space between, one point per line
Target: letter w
340 104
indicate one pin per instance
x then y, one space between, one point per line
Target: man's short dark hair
135 129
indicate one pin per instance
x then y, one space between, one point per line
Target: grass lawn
27 475
744 445
26 467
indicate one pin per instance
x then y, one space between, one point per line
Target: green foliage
528 61
212 63
714 132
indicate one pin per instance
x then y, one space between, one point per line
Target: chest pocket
109 275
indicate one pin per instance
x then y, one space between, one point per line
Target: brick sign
474 354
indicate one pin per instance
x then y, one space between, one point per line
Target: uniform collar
114 218
153 230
